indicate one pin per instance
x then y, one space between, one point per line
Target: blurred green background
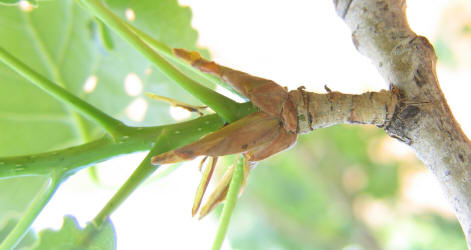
344 187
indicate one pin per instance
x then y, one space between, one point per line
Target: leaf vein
68 34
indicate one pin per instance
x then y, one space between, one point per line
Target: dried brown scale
283 115
297 111
230 139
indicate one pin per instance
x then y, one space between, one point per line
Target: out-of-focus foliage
339 188
453 39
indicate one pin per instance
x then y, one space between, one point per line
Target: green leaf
9 2
56 40
7 225
15 196
71 236
14 2
10 201
165 20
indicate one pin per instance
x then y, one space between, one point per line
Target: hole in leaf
137 109
130 14
132 84
25 6
90 84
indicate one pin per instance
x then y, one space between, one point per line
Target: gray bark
422 119
316 111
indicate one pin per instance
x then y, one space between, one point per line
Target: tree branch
423 119
72 159
323 110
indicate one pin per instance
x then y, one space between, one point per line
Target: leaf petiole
142 172
193 73
168 139
229 204
223 106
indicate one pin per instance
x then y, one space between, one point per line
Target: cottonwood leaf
16 194
71 236
57 40
161 20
